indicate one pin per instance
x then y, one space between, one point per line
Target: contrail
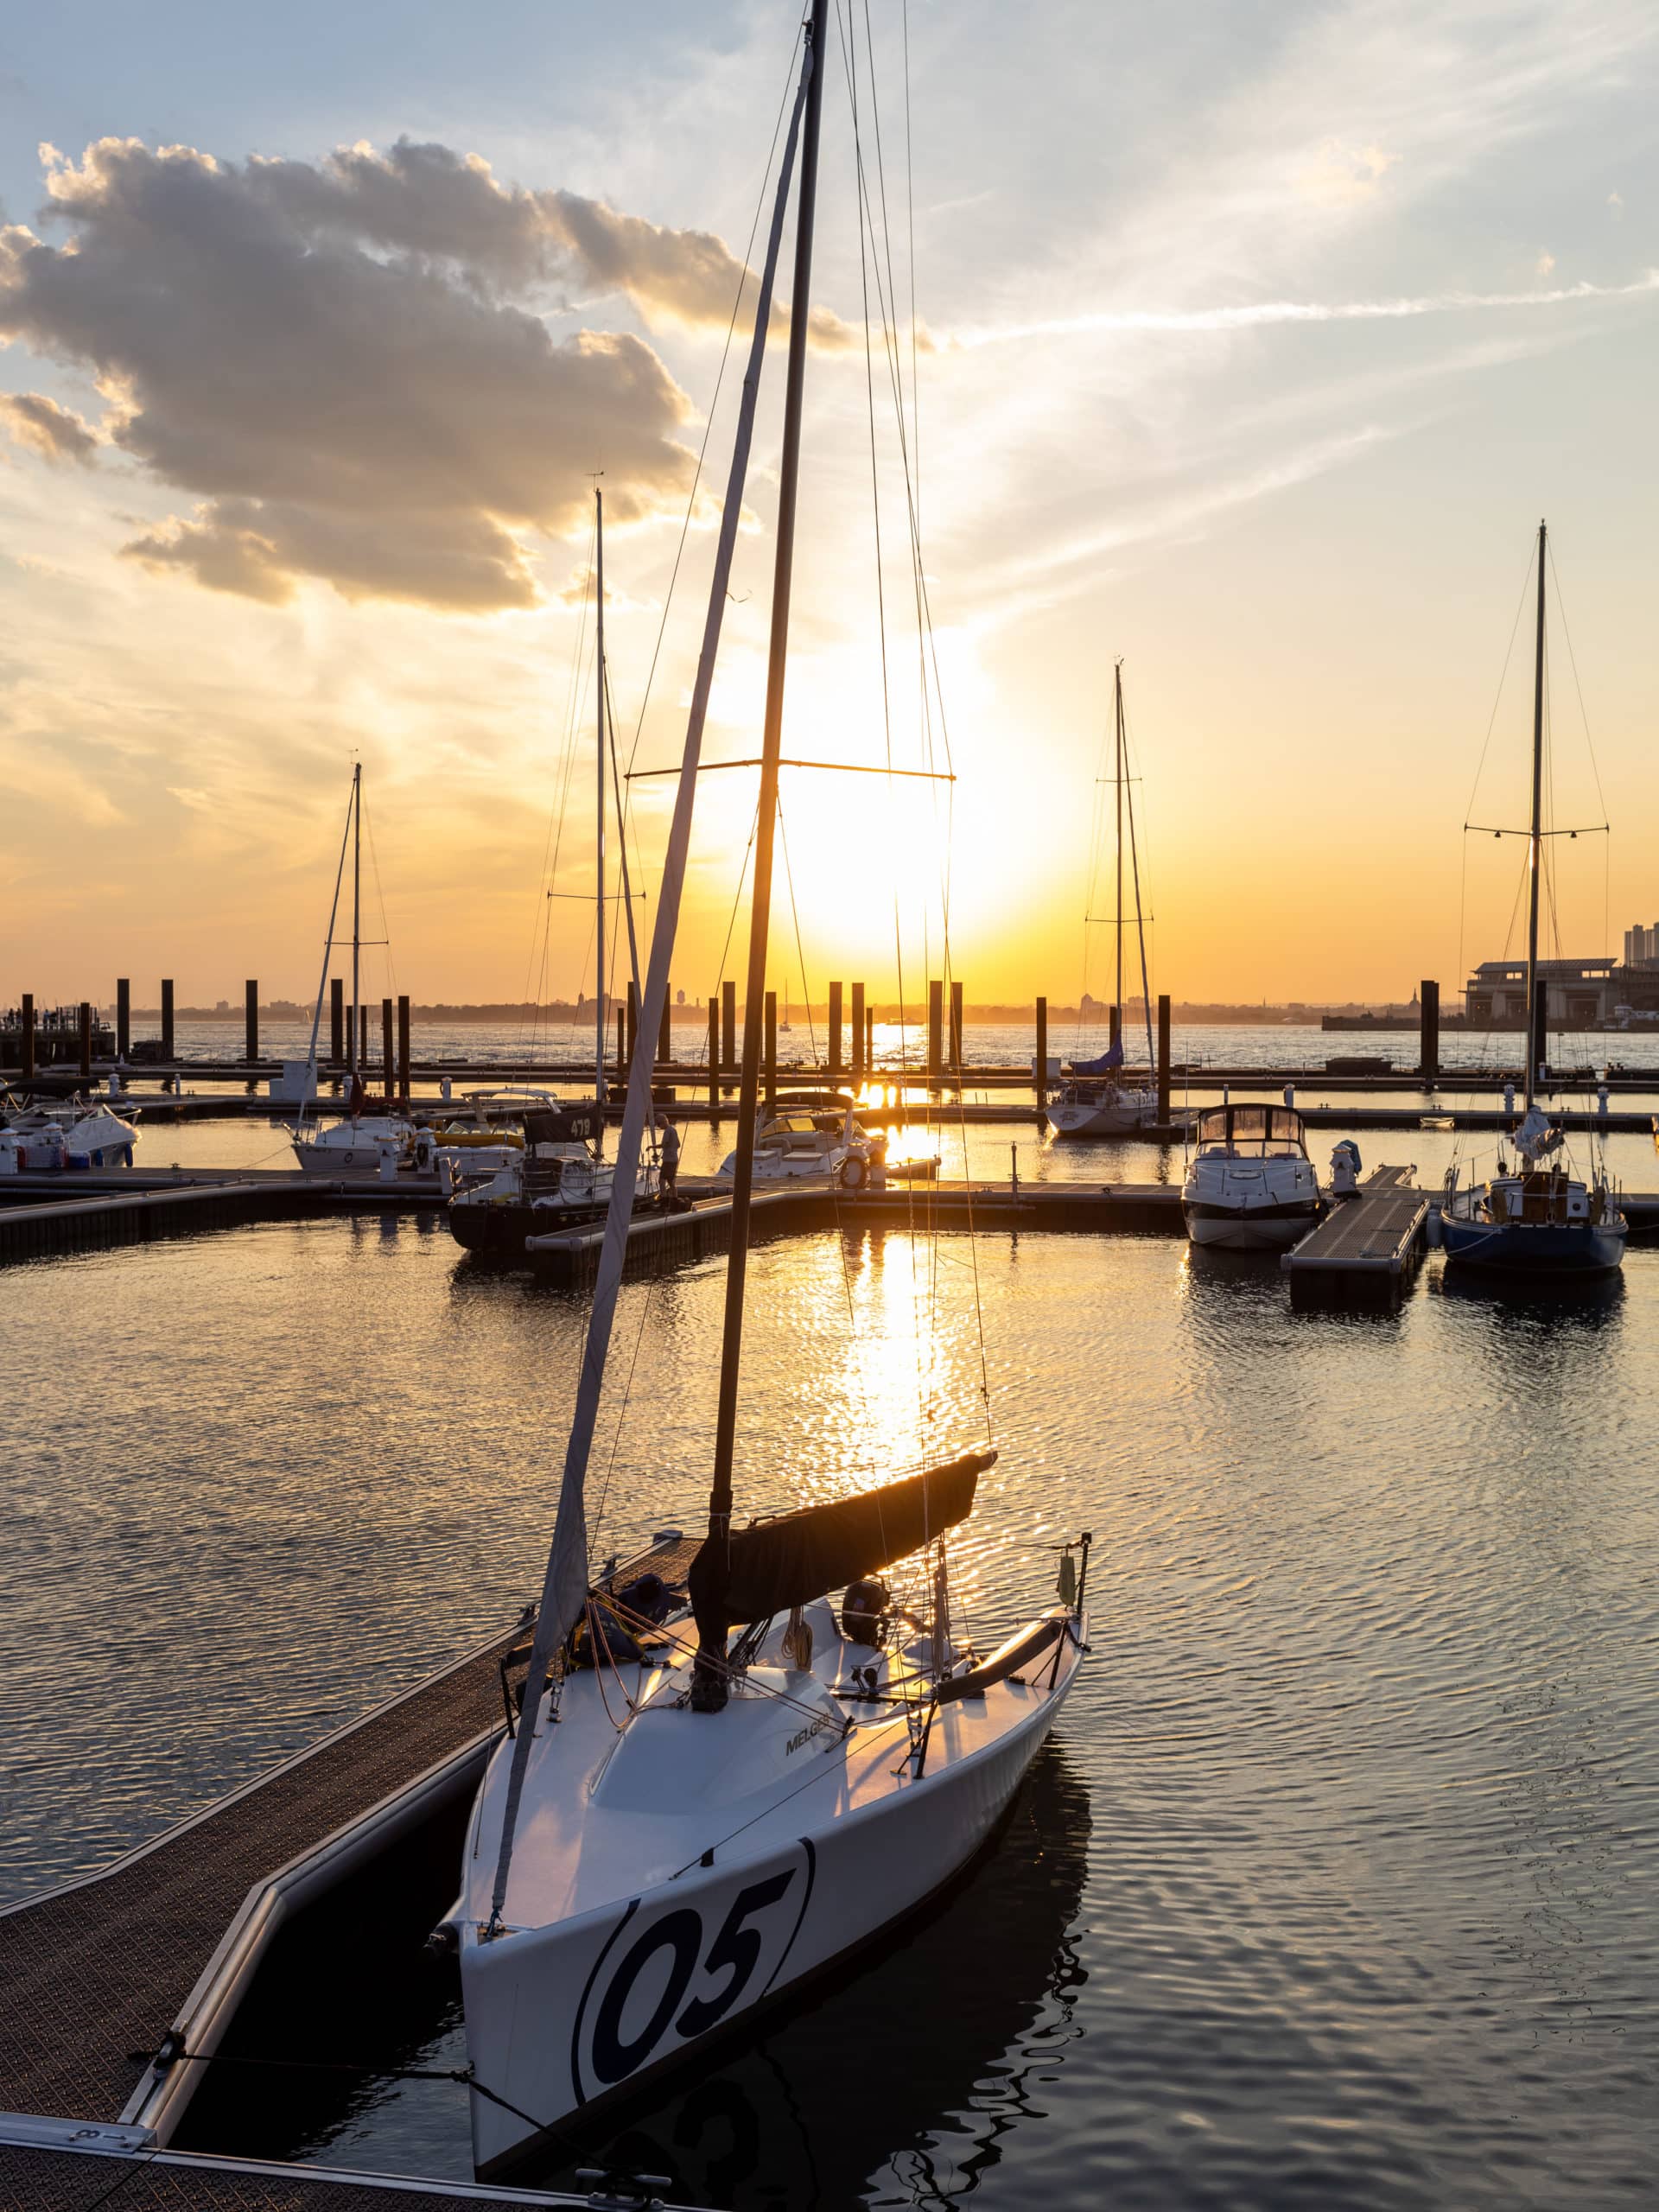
1267 312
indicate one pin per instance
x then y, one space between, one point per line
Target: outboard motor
1344 1169
864 1612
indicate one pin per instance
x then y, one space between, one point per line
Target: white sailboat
1096 1099
559 1178
683 1826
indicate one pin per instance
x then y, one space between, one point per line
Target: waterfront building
1580 993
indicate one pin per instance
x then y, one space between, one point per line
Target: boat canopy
1110 1058
1250 1125
803 1555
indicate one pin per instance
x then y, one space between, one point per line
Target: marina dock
1364 1251
105 1977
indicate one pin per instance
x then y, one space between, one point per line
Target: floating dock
1366 1248
107 1976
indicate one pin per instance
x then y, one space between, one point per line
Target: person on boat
354 1096
669 1166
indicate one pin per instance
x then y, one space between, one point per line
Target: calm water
1335 1888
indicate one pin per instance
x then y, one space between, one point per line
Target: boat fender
854 1173
864 1611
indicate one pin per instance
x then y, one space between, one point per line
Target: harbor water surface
1335 1887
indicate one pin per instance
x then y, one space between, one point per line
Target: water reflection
974 2006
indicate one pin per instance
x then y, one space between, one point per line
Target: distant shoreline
1199 1015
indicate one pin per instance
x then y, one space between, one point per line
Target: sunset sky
1252 343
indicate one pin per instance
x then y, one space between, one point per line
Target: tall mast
564 1587
599 864
1134 858
1117 704
731 1350
357 907
1536 846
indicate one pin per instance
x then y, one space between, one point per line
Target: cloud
1258 314
1545 263
341 364
1616 202
53 432
1339 174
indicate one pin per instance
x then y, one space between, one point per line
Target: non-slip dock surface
93 1974
37 2180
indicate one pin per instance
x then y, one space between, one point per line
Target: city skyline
1253 361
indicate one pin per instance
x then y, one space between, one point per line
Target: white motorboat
684 1824
1099 1099
1250 1185
1539 1219
800 1143
66 1135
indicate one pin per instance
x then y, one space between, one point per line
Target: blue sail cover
1110 1058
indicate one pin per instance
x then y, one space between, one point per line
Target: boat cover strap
803 1555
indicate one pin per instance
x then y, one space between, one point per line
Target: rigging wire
795 915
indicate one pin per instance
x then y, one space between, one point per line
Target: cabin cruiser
67 1134
796 1143
558 1181
1536 1216
480 1138
1250 1185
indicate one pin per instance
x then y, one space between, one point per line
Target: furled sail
767 1569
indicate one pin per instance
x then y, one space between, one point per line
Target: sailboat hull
566 2021
1533 1248
1111 1114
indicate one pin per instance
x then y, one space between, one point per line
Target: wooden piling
27 1069
1163 1058
85 1040
336 1019
858 1030
834 1028
1115 1034
728 1025
388 1058
403 1048
869 1039
122 1017
956 1029
665 1035
633 1037
714 1055
251 1011
621 1044
771 1069
935 1030
1039 1065
166 1017
361 1017
1428 1047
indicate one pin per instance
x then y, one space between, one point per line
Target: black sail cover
803 1555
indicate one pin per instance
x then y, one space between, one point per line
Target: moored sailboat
1099 1097
685 1824
1538 1217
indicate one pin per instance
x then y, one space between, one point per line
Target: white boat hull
1117 1114
1262 1229
582 2013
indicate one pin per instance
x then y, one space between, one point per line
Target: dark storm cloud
338 362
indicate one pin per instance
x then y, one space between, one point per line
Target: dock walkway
1365 1247
98 1971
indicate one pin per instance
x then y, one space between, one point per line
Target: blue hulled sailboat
1536 1217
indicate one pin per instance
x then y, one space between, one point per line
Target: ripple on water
1334 1889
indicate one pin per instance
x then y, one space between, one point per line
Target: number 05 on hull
707 1863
